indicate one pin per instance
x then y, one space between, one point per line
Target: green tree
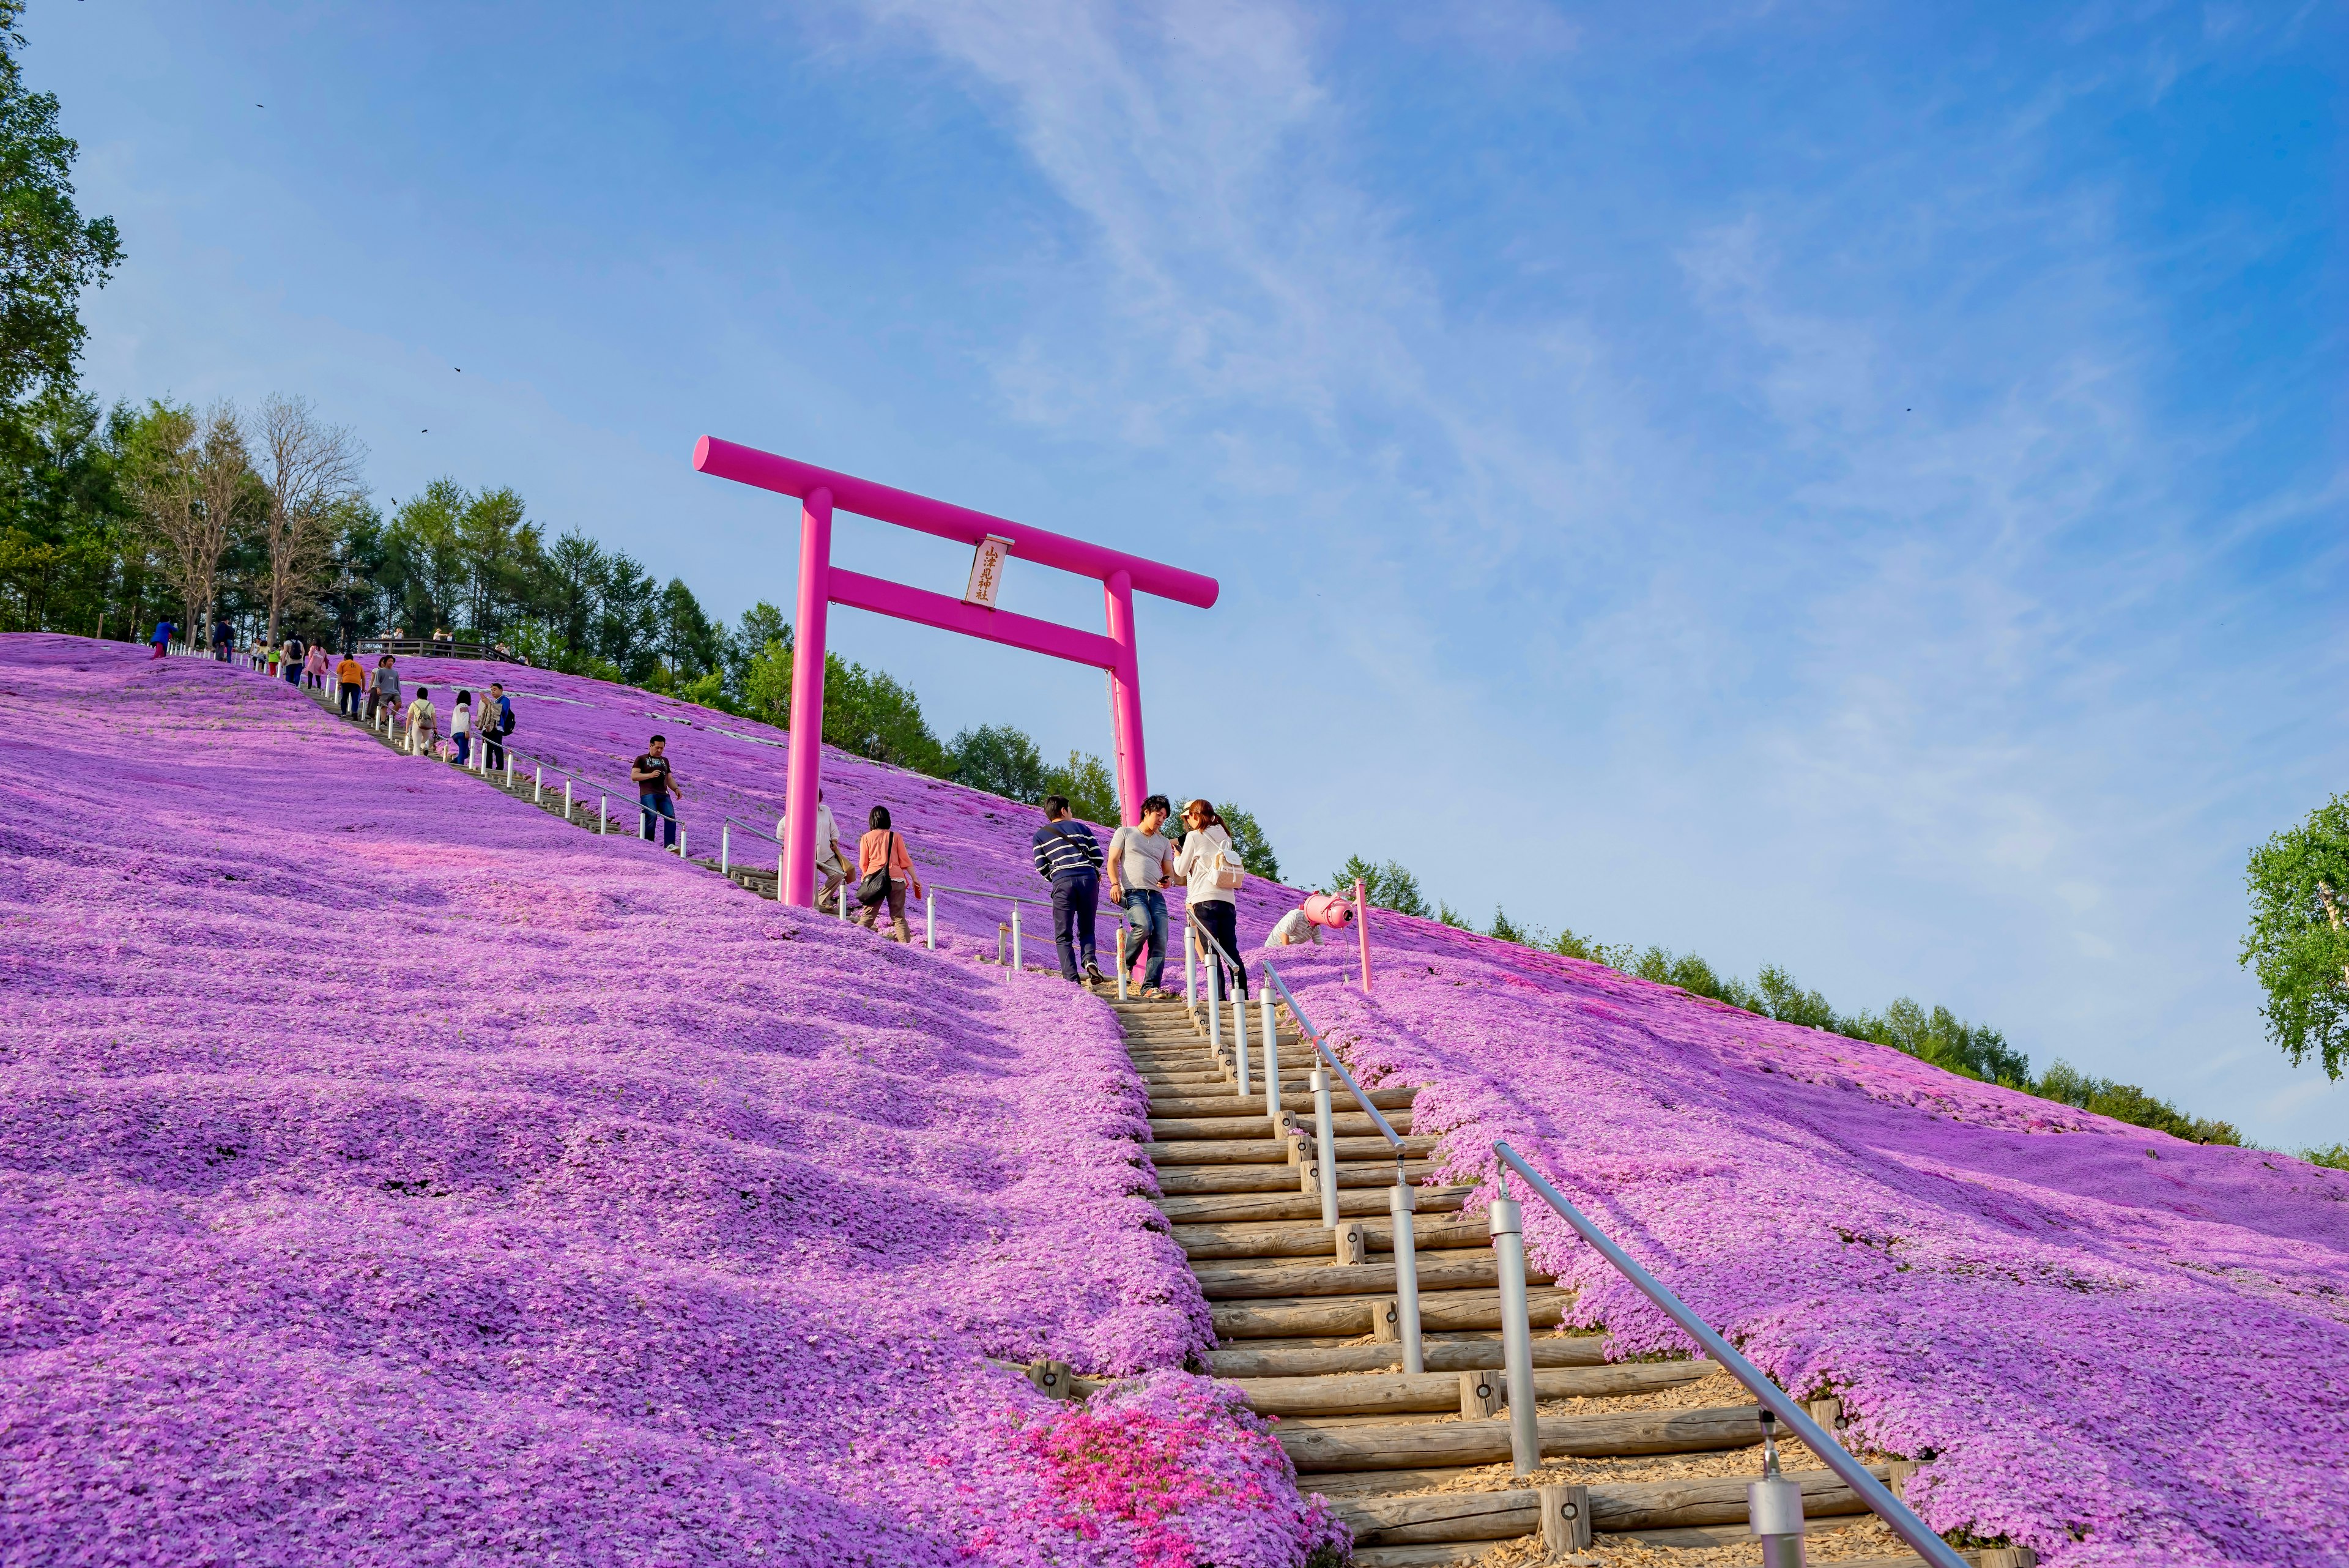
1000 759
628 617
762 624
1452 916
1085 780
691 645
64 545
1504 929
1249 840
869 713
1781 998
2127 1103
48 252
767 682
2299 939
1387 887
500 548
571 584
425 573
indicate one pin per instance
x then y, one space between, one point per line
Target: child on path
461 724
314 667
1070 857
423 725
882 850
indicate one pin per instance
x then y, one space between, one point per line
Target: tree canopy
2299 937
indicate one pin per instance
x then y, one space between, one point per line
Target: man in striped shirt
1070 857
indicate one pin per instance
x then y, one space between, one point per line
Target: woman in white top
1210 869
461 724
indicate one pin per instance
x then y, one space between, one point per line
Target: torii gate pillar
823 584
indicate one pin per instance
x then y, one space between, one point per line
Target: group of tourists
367 695
1142 862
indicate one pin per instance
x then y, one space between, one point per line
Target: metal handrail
754 828
1321 1046
1897 1514
983 893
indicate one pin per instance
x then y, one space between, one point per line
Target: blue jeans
659 803
1074 898
464 746
1145 916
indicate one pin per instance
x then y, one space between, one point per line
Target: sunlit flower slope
390 1173
2104 1343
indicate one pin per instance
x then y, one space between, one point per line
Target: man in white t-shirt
1141 862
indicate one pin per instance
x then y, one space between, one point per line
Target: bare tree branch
310 469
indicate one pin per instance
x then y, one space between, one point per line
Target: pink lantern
1329 910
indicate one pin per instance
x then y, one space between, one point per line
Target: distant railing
437 648
931 905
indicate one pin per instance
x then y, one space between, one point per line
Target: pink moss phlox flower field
390 1173
2110 1345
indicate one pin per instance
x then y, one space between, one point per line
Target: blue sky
1856 487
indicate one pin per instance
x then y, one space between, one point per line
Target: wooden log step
1721 1500
1427 1556
1259 1282
1229 1104
1452 1355
1296 1205
1343 1318
1346 1124
1188 1180
1305 1238
1219 1151
1397 1393
1313 1446
1446 1516
1270 1150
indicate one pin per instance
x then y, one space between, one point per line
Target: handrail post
1325 1146
1399 1198
725 849
538 785
1215 1004
1271 1037
1506 1222
604 812
566 797
1015 939
1773 1505
1122 964
931 916
841 903
1190 963
1240 1041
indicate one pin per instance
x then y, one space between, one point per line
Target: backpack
505 716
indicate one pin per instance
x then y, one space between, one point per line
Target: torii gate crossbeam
821 585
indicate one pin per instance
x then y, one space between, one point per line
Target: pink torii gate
821 585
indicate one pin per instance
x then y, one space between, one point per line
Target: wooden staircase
1419 1465
1656 1452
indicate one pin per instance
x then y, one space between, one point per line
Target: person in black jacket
1070 857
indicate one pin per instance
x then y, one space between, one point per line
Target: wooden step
1308 1238
1291 1204
1313 1446
1615 1506
1476 1270
1272 1150
1230 1104
1396 1392
1343 1318
1186 1181
1344 1124
1453 1355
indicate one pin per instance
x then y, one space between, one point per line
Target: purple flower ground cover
390 1173
2108 1344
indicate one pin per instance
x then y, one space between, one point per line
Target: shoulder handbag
875 886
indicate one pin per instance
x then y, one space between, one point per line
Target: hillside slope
2105 1343
387 1170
